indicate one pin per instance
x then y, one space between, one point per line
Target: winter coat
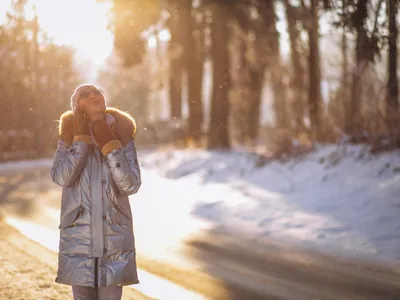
97 245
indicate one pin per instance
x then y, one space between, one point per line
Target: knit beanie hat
75 96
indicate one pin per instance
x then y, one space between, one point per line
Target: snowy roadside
23 274
25 165
30 204
338 199
28 270
187 192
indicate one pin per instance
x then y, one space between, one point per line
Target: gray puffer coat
97 246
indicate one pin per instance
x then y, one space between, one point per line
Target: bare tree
194 62
392 97
274 67
345 68
218 135
177 11
298 84
314 79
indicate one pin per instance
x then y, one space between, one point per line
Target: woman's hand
80 123
104 137
97 116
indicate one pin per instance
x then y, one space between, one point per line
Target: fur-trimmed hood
123 124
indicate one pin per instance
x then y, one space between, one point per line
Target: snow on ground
337 199
25 165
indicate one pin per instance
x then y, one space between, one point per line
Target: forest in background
241 44
36 79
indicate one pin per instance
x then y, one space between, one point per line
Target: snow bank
339 198
25 165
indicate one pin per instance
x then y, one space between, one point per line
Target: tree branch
378 8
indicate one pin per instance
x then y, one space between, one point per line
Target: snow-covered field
25 165
337 199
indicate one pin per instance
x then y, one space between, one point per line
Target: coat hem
59 281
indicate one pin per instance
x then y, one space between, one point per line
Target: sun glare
30 12
80 24
164 35
152 42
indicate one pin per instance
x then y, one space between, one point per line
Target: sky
81 24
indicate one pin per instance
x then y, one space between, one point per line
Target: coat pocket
119 212
123 207
69 219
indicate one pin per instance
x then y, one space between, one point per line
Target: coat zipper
96 267
97 208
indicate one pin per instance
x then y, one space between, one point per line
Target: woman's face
92 101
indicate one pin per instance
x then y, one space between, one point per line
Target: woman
96 165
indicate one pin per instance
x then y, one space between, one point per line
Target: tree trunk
40 143
353 119
392 100
345 75
275 66
255 74
241 101
256 86
280 107
175 88
194 51
298 83
314 96
218 135
175 66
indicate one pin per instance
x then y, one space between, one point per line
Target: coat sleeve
125 169
68 162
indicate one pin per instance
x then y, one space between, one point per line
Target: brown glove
104 137
81 127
